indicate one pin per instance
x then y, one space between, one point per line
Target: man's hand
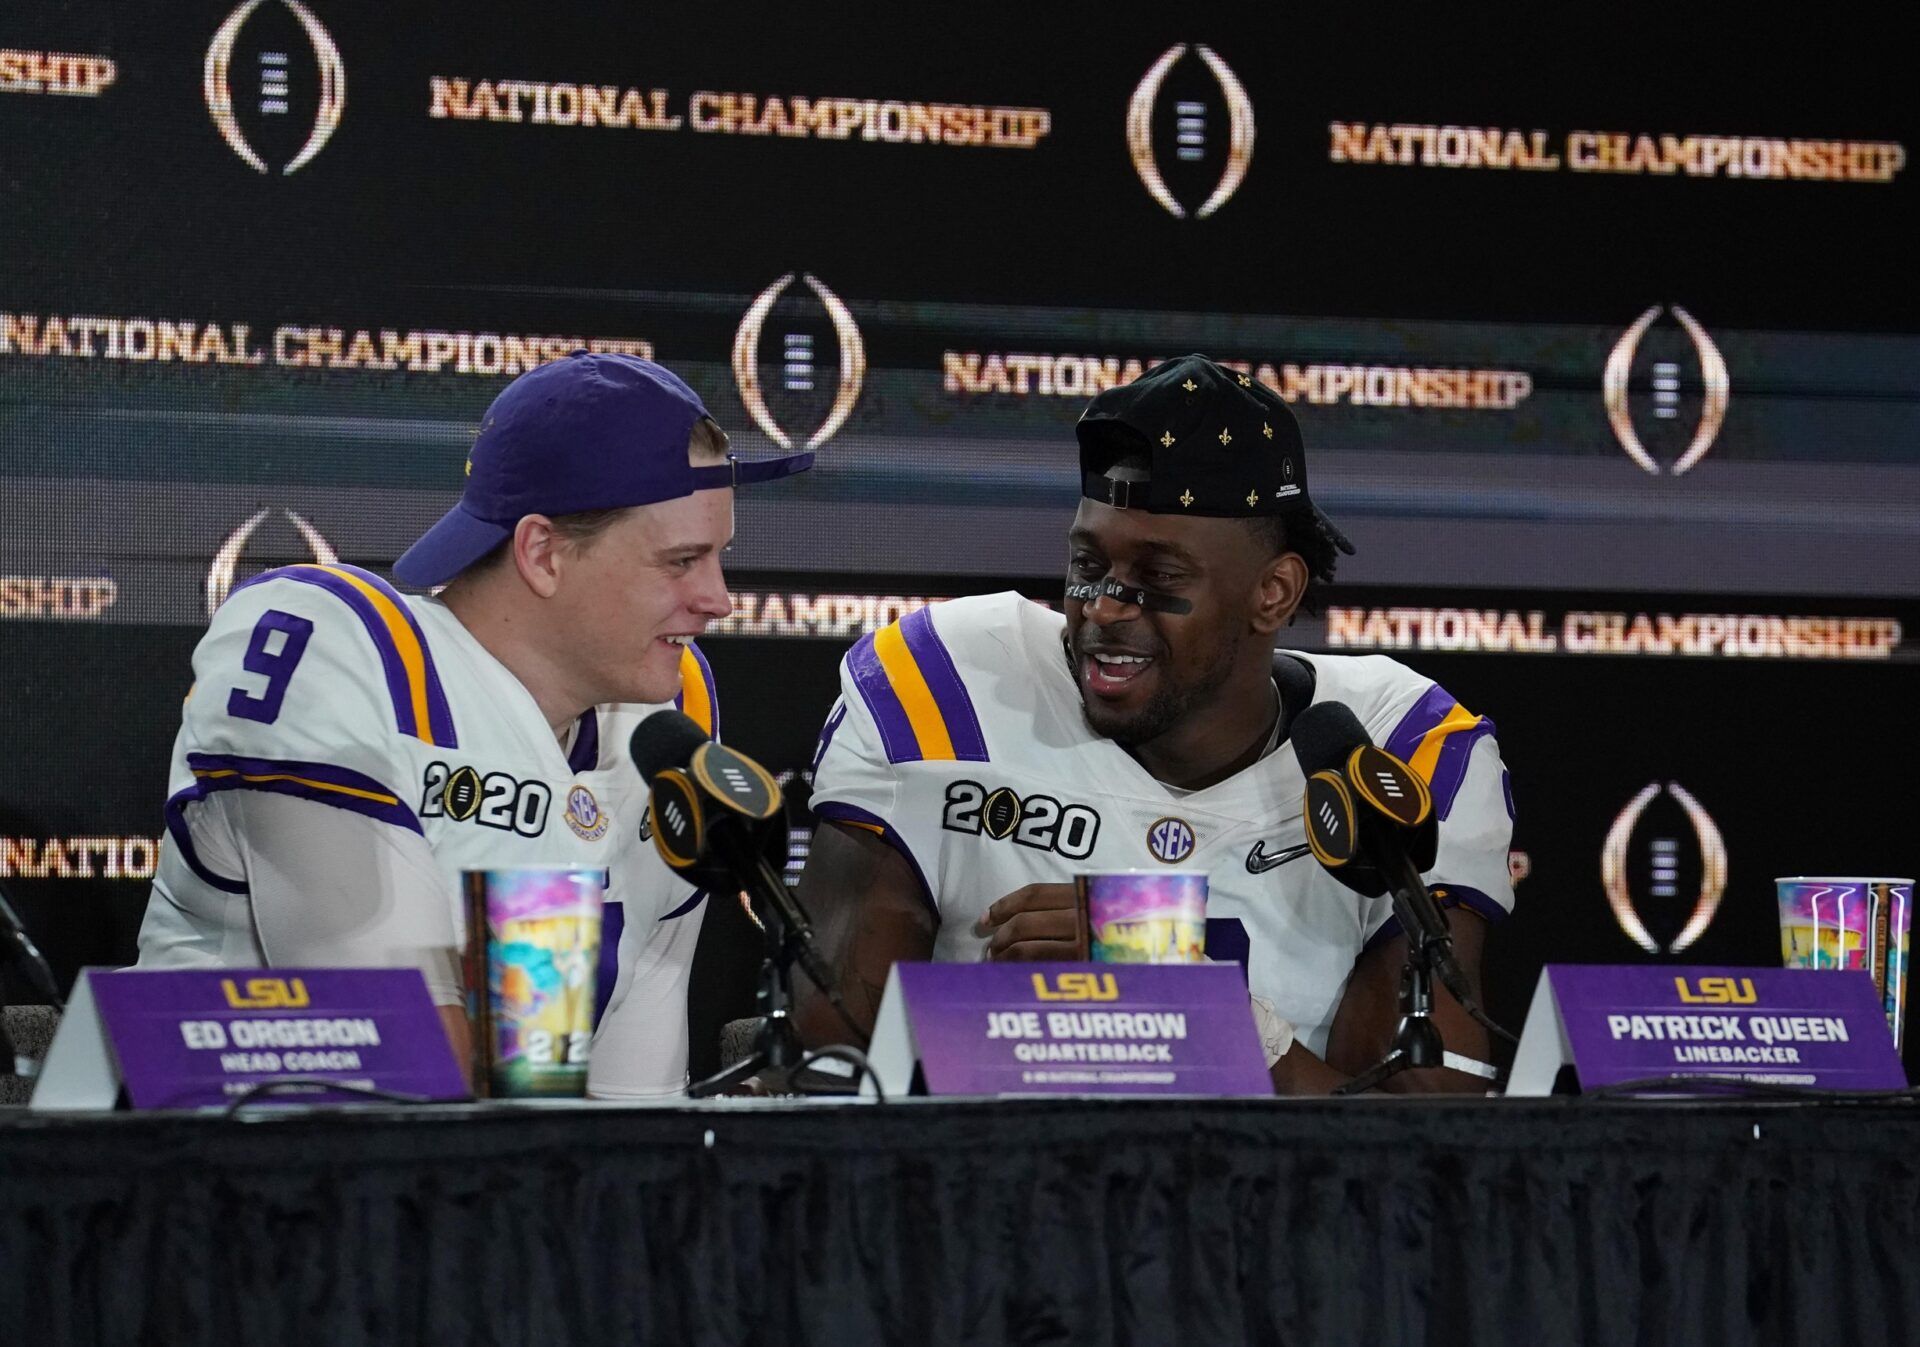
1033 923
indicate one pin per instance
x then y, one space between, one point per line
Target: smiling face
1144 675
631 597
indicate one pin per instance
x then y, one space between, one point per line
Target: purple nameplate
198 1039
1783 1026
1069 1028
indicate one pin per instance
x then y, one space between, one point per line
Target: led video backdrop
1603 343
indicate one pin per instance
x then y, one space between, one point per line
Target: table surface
933 1221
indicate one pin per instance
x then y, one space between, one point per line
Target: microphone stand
1417 1041
778 1058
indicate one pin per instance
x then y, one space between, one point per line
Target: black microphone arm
744 802
1325 737
16 945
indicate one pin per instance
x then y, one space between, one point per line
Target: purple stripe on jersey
698 897
1457 895
853 813
439 715
586 744
943 681
1450 769
1506 789
337 786
176 814
1450 772
1473 900
889 717
826 734
1422 716
613 920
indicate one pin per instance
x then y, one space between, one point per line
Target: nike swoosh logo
1259 861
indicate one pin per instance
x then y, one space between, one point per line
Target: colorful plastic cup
1141 916
1851 922
533 949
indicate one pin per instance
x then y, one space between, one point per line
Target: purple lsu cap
589 432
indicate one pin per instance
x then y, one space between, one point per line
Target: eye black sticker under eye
1139 598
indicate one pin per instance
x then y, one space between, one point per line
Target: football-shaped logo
1666 391
463 794
1000 815
1190 131
1663 867
225 567
814 373
275 85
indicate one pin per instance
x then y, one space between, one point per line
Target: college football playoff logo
1208 161
805 381
1646 850
226 561
1649 412
275 84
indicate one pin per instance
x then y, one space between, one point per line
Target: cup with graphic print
1851 923
533 951
1144 916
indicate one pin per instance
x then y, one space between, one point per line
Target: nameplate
200 1039
1783 1026
1068 1028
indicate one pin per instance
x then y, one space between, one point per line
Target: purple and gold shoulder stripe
699 698
915 694
419 702
1436 739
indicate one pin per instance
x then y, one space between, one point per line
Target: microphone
1371 825
18 946
718 818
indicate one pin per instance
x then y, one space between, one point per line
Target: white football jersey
959 735
327 684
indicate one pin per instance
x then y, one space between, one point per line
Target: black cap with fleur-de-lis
1217 442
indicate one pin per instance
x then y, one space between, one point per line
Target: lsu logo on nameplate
1716 991
225 567
274 84
584 814
1665 388
1664 862
1190 131
1075 987
267 994
1170 840
813 374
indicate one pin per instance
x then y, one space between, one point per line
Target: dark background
131 204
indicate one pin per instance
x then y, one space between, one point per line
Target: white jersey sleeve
308 684
333 887
902 706
1455 752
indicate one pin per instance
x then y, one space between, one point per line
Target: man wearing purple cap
348 749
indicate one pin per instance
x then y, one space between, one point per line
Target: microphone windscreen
1324 734
664 739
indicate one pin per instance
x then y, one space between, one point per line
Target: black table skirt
1144 1222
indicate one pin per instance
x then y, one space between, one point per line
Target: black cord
260 1090
1485 1021
842 1052
1767 1089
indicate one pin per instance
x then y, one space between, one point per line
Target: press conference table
1376 1220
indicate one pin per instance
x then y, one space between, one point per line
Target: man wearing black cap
348 749
985 750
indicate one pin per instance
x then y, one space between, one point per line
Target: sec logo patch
584 814
1170 840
